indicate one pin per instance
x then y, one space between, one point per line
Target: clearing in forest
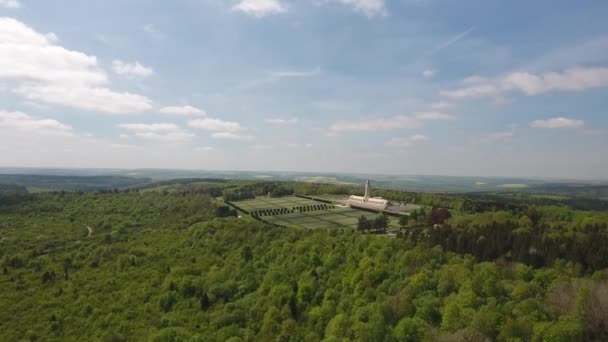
295 211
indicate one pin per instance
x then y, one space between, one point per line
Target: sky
472 87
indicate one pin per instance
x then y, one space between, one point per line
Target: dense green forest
164 264
70 183
12 194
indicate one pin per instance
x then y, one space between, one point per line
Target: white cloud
277 76
472 91
156 127
52 37
32 66
398 121
287 74
419 137
230 136
260 8
440 105
166 132
183 110
367 7
475 79
211 124
407 141
10 3
205 148
387 123
433 116
131 70
573 79
24 122
282 121
557 123
590 52
152 31
428 73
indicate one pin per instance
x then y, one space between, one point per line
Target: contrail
452 41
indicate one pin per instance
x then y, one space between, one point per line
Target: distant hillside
70 183
573 189
111 178
12 194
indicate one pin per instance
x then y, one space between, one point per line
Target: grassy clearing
513 186
549 196
274 203
321 218
320 179
35 190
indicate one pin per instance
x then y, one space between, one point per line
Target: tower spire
367 190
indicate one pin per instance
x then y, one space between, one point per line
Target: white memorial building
366 201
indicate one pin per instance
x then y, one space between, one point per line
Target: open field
267 203
514 186
301 212
322 218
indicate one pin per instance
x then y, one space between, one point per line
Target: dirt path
90 231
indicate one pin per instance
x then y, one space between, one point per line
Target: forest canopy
175 264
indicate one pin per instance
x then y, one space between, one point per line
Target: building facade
366 201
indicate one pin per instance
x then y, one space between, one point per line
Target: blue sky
493 88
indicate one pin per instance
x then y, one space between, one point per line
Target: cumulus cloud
23 122
386 123
382 123
131 70
211 124
277 76
152 31
419 137
428 73
166 132
33 66
292 73
183 110
230 136
10 3
433 116
367 7
440 105
590 52
260 8
407 141
557 123
573 79
282 121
